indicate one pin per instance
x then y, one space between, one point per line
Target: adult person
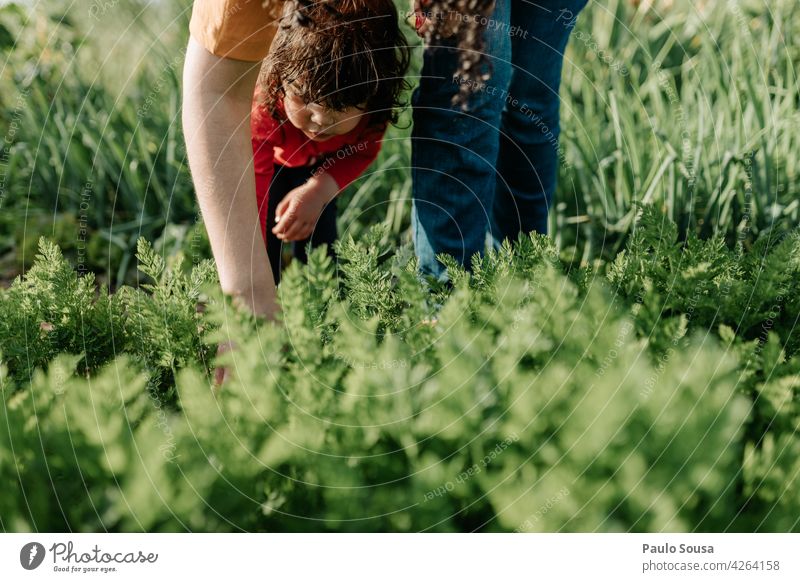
486 123
228 41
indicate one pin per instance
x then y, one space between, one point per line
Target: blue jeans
489 173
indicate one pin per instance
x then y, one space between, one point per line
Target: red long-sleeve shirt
343 157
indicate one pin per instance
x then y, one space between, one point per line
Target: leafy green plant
538 399
54 309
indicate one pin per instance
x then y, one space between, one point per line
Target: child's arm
298 212
266 132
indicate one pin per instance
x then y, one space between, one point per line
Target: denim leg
454 153
528 158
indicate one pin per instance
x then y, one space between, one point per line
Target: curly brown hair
340 54
469 16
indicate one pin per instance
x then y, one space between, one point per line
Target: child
329 88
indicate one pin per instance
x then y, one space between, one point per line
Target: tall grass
97 138
692 106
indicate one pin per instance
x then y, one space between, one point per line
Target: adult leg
454 153
528 158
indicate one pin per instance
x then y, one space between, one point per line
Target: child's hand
297 214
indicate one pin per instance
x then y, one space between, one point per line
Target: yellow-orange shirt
235 29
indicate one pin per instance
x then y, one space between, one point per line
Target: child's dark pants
284 180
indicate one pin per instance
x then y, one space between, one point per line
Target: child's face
317 122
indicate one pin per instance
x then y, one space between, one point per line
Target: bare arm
217 98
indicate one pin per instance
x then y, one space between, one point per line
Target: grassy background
691 106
